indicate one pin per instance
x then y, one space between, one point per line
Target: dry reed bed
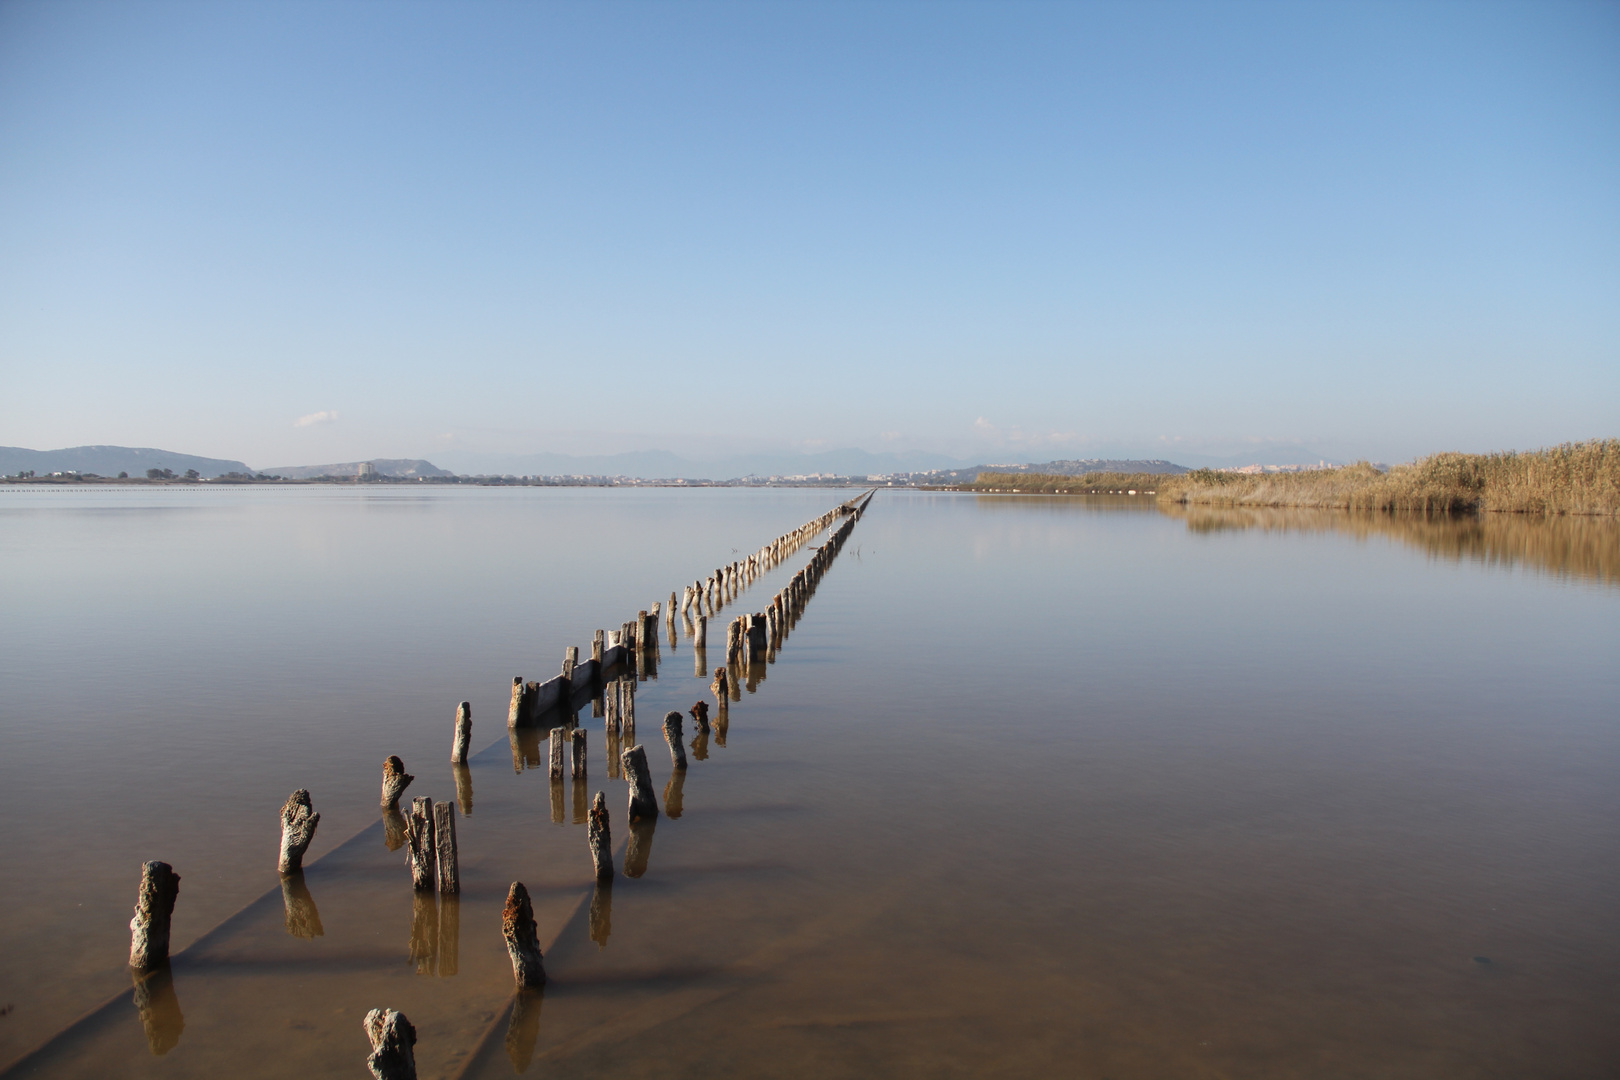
1575 478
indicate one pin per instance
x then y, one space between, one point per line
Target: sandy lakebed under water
1036 787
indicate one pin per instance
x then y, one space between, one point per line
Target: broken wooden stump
463 736
600 839
298 821
522 942
721 684
395 780
444 847
643 804
154 905
392 1039
700 716
576 740
419 835
672 736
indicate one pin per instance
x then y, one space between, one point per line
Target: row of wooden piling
430 833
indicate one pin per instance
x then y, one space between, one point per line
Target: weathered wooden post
557 738
444 847
643 804
700 716
395 780
570 662
627 710
601 841
701 638
597 650
298 821
154 905
392 1039
577 745
463 736
522 942
672 736
419 835
514 712
721 685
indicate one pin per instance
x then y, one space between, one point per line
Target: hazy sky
293 233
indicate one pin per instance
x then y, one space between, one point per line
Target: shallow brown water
1037 786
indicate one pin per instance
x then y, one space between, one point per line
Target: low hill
405 467
1078 467
110 461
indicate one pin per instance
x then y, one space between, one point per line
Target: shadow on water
1580 548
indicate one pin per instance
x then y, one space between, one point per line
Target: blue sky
293 233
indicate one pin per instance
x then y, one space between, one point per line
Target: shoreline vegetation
1581 478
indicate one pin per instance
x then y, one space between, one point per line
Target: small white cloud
981 424
326 416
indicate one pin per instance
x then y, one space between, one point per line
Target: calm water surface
1037 786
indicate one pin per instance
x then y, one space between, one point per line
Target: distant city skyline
296 234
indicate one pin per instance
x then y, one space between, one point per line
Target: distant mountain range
110 461
645 464
406 467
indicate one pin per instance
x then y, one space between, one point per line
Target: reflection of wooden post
444 847
424 862
395 780
302 917
602 911
154 904
449 947
298 821
392 1038
577 739
556 756
464 788
672 736
158 1008
643 804
458 748
600 839
424 933
522 943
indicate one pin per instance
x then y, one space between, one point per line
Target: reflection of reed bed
1095 483
1584 548
1575 478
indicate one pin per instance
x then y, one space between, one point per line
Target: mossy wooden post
394 781
601 841
557 739
298 821
576 739
672 736
154 905
419 837
643 803
444 847
393 1039
463 736
522 942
